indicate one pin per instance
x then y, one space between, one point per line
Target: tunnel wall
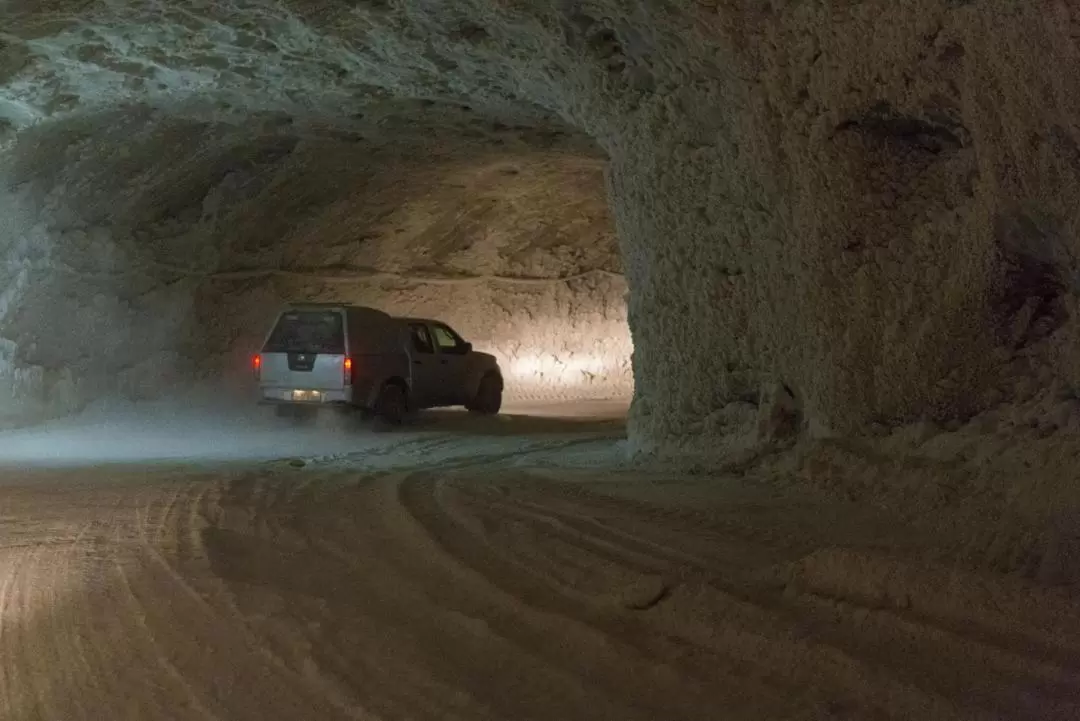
90 307
871 215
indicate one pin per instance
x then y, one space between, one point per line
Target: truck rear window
307 332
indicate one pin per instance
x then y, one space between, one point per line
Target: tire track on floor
623 641
13 561
757 636
161 657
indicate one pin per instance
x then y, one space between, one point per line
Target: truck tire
391 405
488 399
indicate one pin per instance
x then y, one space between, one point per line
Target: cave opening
154 268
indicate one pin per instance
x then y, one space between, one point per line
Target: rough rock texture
869 204
880 222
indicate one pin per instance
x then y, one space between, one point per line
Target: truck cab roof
428 321
332 306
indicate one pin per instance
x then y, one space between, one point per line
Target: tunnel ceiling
849 215
304 58
446 189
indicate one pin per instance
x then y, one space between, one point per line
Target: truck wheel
488 398
391 405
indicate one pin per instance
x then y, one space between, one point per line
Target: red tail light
256 365
347 369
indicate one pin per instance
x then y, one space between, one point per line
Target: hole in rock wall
142 255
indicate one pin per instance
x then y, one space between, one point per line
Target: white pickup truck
330 355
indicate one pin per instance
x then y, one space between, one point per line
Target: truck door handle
418 363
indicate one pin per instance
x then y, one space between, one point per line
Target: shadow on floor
510 424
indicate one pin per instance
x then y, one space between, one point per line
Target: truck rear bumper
309 404
315 397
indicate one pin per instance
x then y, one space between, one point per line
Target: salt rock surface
871 205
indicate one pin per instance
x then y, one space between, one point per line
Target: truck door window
421 338
447 340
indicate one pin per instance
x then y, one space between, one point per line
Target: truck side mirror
468 347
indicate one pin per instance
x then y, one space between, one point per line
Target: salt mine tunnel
784 294
857 212
871 223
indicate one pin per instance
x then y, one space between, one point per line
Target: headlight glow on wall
577 369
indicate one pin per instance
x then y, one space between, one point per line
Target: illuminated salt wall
555 339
